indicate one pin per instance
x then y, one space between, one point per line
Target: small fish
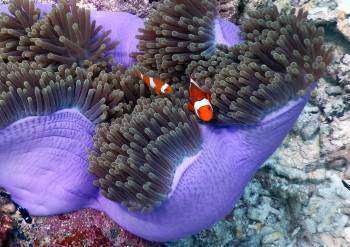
24 212
200 102
155 83
346 185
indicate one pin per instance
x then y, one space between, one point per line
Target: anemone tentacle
204 70
14 27
136 156
127 85
17 74
280 58
31 90
175 34
67 35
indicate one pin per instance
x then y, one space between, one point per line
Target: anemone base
43 162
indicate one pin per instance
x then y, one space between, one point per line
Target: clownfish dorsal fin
193 82
196 92
196 85
153 82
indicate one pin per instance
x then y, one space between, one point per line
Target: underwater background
296 198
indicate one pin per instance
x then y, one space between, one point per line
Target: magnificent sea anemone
77 130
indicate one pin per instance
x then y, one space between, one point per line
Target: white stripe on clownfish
200 103
151 82
164 87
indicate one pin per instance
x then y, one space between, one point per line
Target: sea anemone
282 56
126 89
67 35
174 35
13 74
137 155
161 174
100 81
204 70
28 89
14 27
34 91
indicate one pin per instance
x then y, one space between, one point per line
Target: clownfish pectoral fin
208 96
190 106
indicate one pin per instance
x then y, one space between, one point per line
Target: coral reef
6 221
229 9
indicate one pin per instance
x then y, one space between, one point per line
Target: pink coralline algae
87 227
6 226
6 221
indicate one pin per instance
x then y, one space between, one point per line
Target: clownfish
200 102
155 83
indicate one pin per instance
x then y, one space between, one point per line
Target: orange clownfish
156 84
200 102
